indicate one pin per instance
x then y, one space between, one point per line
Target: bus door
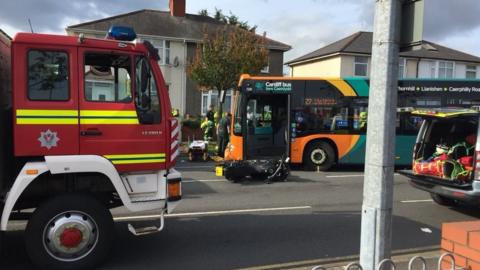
267 122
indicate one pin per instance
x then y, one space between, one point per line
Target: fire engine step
148 229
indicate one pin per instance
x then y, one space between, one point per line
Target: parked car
446 156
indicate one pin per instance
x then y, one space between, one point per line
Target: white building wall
175 77
173 72
460 70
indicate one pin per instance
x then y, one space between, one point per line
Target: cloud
446 18
307 25
52 16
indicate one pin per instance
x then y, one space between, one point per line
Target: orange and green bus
319 122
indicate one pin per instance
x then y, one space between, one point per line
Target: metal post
379 160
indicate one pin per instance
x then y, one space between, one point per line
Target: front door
267 126
120 115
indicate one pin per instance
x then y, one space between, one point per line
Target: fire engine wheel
69 232
441 200
319 155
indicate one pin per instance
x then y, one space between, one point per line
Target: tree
231 20
224 55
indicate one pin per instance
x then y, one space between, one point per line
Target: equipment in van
446 156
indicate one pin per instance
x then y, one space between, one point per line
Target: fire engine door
120 116
45 100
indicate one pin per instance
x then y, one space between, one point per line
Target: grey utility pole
379 161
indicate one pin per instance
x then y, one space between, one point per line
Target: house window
163 47
433 69
445 69
401 67
211 98
471 72
361 66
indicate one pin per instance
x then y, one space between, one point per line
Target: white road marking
426 230
204 181
195 167
214 213
344 175
416 201
349 175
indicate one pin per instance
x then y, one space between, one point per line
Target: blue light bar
123 33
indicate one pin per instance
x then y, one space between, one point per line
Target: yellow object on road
219 170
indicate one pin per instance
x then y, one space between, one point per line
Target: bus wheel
69 232
319 155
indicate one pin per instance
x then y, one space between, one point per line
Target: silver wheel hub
318 156
70 236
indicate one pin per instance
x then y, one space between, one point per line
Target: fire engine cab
86 126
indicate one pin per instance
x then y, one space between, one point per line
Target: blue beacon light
123 33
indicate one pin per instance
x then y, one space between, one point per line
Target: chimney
177 8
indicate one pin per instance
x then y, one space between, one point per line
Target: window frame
355 63
402 62
136 90
468 68
27 81
161 45
439 63
132 90
208 94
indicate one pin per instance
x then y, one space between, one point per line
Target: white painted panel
460 70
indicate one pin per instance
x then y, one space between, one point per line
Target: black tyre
441 200
69 232
319 155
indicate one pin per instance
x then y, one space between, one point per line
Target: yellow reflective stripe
138 161
44 121
136 156
70 117
100 113
28 112
108 121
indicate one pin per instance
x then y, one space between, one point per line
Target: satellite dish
176 62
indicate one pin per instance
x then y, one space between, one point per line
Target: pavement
425 257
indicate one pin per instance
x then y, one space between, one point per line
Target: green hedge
192 123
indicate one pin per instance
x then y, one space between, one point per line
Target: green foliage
231 20
226 54
191 123
203 12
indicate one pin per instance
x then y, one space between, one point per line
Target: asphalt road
223 225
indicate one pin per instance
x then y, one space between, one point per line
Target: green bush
192 123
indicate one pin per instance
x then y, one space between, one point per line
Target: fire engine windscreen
108 78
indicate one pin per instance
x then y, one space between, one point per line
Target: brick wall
462 239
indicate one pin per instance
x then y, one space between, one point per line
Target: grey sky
305 24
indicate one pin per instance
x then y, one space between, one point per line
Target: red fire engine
85 126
